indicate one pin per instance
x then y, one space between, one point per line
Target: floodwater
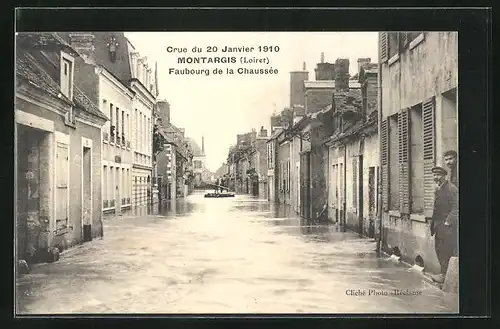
227 255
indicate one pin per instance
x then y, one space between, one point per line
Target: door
305 205
87 194
371 201
297 191
360 195
117 191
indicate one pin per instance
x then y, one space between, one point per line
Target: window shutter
354 186
383 47
384 136
429 135
62 170
404 163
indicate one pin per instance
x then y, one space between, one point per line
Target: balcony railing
105 204
124 201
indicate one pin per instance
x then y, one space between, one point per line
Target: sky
219 107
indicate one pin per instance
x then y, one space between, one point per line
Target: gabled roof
30 70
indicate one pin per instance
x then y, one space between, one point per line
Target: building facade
144 85
58 151
418 123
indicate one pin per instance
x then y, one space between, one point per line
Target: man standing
450 159
444 223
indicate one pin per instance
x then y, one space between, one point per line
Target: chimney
263 132
83 43
164 112
298 113
202 144
362 62
304 66
342 73
322 60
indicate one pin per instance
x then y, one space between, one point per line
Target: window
416 160
112 126
66 76
105 186
393 39
123 127
117 125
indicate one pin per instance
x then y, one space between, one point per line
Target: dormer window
67 66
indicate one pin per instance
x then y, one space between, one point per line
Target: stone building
144 85
173 157
353 154
125 90
58 150
418 123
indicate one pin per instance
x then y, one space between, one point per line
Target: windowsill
394 213
105 141
418 217
111 143
416 41
393 59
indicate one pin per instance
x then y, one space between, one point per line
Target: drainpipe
379 178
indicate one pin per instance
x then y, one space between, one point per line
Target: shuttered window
354 183
429 135
383 47
384 135
62 184
404 161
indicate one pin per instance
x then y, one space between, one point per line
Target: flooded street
227 255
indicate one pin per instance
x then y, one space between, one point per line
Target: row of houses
359 150
246 164
85 111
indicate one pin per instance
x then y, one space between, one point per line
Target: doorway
27 186
360 195
87 193
371 201
305 191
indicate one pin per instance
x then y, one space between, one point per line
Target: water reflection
225 255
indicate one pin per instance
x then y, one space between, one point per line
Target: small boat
219 195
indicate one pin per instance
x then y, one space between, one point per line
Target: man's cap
439 170
450 153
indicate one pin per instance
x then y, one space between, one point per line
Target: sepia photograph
236 172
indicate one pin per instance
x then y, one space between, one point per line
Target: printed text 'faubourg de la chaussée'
254 60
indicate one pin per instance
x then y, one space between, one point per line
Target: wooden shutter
429 136
383 47
62 172
384 136
404 161
354 185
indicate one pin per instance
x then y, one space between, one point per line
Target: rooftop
328 84
29 69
